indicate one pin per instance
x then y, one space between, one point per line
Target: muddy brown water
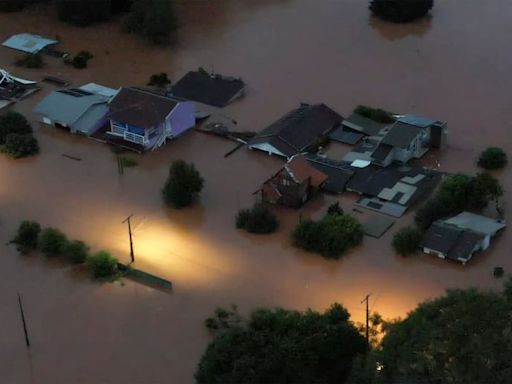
455 67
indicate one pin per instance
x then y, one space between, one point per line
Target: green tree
13 122
281 346
401 11
26 236
492 158
153 20
462 337
76 251
330 237
102 264
183 185
18 146
375 114
52 242
259 219
160 80
407 240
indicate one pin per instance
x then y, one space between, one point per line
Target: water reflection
395 31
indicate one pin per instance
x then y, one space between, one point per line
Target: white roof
360 163
99 90
27 42
476 223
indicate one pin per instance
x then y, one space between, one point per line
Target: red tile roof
300 169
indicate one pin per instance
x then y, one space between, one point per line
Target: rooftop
28 43
401 135
301 170
363 124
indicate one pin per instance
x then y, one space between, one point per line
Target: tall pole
130 234
366 299
27 341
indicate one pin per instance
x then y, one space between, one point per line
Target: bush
335 209
76 251
183 185
407 240
401 11
128 162
281 346
153 20
330 237
159 80
30 60
18 146
259 219
52 242
26 236
102 264
375 114
83 12
80 61
492 158
13 122
498 272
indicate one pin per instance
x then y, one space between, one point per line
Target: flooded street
287 51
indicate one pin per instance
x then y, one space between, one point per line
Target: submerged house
410 137
459 237
146 120
75 109
211 89
297 131
294 184
28 43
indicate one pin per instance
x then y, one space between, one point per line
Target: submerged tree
281 346
401 11
153 20
83 12
183 185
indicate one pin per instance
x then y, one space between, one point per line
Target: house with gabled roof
459 237
294 184
297 131
146 120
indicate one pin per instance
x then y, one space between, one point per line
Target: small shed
27 42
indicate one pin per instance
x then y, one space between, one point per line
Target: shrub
128 162
52 242
375 114
80 61
259 219
492 158
159 80
401 11
183 184
153 20
102 264
26 236
30 60
83 12
407 240
18 146
335 209
498 272
76 251
13 122
330 237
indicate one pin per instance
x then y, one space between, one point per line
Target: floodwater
455 67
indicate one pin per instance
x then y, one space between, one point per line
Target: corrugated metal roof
418 121
27 42
476 223
100 90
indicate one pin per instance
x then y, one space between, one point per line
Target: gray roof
27 42
441 238
338 172
362 124
422 122
382 152
401 135
298 129
69 106
466 243
476 223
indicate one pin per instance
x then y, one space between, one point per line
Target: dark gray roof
418 121
208 89
338 172
441 238
465 245
140 108
346 136
382 152
299 128
363 124
401 135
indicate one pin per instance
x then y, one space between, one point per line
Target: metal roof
100 90
476 223
422 122
27 42
401 135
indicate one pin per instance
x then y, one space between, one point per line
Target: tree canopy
401 11
280 346
492 158
183 184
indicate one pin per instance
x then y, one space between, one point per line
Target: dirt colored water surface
454 66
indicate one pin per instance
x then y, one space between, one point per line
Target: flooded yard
287 51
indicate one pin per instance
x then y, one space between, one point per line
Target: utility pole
27 341
130 234
366 299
